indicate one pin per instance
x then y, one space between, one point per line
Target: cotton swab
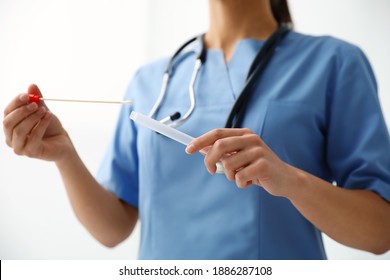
37 98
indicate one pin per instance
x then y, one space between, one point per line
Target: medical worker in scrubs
313 122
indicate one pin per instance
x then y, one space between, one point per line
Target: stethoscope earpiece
175 116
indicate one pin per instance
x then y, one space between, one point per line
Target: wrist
299 180
67 156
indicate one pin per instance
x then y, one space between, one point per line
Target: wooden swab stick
37 98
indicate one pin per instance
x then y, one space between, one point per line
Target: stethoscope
237 113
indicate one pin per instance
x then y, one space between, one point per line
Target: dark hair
281 11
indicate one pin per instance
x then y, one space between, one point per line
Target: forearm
356 218
32 130
107 218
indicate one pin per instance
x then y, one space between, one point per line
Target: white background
90 49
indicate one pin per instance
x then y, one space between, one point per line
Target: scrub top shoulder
316 106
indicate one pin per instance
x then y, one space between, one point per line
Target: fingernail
190 148
24 97
32 106
211 171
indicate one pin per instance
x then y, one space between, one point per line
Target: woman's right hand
32 130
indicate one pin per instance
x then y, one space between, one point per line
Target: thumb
33 89
35 94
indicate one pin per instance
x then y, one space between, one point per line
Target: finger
21 99
245 149
245 156
235 162
241 180
230 174
222 148
33 89
12 119
210 137
244 184
251 173
34 147
23 129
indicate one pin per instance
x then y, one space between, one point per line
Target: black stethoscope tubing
255 72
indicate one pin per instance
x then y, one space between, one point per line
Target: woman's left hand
246 159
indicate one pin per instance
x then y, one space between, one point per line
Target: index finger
18 101
209 138
21 99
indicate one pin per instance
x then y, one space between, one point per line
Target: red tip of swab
34 98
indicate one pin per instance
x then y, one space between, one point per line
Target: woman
313 119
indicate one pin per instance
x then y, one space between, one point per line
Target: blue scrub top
317 108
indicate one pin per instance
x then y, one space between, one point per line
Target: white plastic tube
167 131
163 129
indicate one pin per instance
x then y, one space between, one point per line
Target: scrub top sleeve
358 142
118 171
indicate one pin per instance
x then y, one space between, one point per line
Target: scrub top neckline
243 55
241 44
